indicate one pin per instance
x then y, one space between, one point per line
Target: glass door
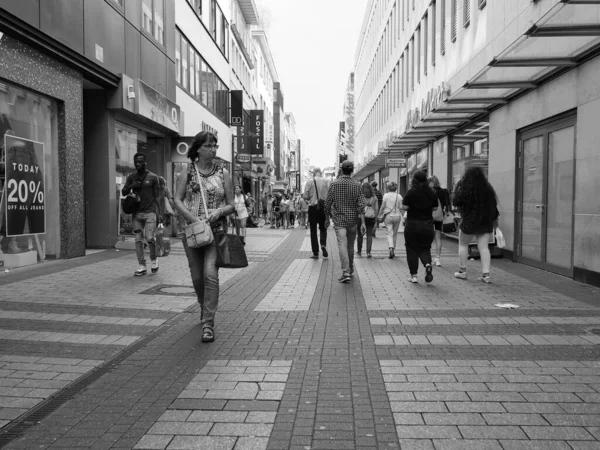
546 190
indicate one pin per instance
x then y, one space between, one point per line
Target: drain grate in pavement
175 290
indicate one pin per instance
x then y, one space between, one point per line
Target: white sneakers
461 275
154 266
140 271
436 261
413 279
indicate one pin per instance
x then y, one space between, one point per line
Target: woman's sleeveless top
214 191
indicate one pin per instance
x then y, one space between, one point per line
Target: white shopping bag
500 241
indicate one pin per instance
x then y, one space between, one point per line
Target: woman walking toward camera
241 211
419 201
438 216
371 212
207 180
477 203
390 213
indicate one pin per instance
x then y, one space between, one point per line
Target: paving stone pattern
313 373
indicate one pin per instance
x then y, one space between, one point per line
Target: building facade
509 86
84 85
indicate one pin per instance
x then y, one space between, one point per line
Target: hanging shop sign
155 106
244 158
396 162
434 98
256 131
23 194
237 108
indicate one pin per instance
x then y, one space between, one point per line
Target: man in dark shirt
377 193
145 185
346 205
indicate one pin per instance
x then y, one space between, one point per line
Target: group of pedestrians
206 193
356 210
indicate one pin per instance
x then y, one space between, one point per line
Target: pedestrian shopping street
93 358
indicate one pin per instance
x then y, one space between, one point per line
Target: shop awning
567 36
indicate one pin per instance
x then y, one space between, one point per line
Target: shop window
153 19
29 179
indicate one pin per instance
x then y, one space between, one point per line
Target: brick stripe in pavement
497 320
488 340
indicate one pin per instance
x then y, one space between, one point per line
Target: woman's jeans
370 224
345 238
392 223
418 236
205 278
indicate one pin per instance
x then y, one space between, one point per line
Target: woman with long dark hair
419 201
477 203
371 212
203 175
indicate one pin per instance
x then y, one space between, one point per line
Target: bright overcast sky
313 44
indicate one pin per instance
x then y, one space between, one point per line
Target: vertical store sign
237 108
23 196
256 130
241 138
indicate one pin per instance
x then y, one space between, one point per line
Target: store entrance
544 230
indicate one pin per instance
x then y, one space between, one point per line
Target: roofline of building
261 37
363 30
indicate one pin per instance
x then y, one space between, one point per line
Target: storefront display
29 200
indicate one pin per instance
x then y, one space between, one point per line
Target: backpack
369 210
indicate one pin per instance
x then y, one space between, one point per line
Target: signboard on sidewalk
396 162
23 197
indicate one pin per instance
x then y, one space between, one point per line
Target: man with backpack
147 211
315 193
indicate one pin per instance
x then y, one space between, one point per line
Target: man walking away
315 194
377 193
346 205
146 186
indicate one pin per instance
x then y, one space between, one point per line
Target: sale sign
25 211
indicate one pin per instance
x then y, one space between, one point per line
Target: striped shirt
345 202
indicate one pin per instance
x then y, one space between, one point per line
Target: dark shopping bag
163 244
230 250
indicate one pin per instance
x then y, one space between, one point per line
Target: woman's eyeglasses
210 146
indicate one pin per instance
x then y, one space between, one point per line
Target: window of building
153 13
118 2
467 10
425 42
199 80
482 3
196 6
418 54
433 32
412 63
453 23
177 57
443 27
213 19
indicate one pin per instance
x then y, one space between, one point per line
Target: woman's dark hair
202 138
419 181
367 189
236 186
474 192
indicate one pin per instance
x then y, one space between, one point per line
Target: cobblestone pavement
93 358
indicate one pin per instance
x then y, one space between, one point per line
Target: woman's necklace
204 169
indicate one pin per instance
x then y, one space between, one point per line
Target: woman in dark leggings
420 201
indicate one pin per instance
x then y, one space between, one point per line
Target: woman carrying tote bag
205 194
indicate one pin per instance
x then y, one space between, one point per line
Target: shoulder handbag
199 234
449 223
320 201
230 250
438 214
